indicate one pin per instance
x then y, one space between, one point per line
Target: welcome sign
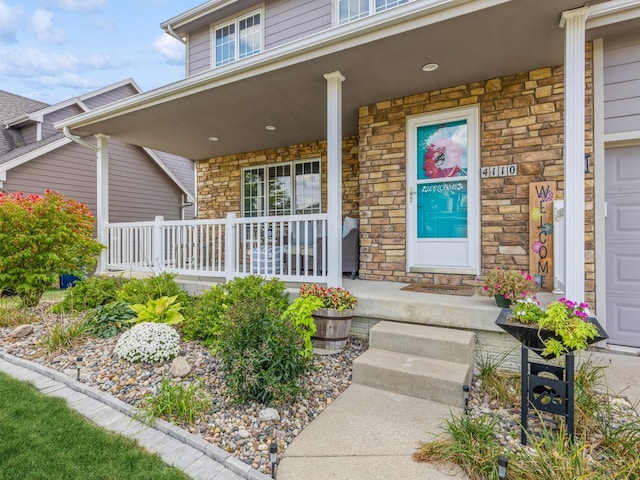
541 197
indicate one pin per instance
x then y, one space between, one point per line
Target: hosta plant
161 310
107 321
148 343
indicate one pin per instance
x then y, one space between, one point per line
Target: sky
53 50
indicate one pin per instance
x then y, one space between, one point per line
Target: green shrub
90 293
42 237
108 320
161 310
260 353
203 322
141 290
175 402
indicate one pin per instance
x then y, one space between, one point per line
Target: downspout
78 140
184 205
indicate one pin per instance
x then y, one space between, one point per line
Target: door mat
461 290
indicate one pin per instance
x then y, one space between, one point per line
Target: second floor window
351 10
238 39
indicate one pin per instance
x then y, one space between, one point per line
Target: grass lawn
42 438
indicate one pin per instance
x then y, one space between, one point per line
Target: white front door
442 192
622 244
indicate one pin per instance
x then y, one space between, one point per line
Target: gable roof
18 111
12 105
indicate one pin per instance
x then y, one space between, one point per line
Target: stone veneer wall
220 186
521 122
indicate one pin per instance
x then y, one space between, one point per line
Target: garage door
622 194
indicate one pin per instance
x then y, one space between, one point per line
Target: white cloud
68 79
79 5
42 26
9 22
169 48
32 63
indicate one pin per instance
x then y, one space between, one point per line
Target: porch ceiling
508 38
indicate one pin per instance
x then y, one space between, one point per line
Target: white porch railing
292 248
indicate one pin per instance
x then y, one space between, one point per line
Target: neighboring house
35 157
447 127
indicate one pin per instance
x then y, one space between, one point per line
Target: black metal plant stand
545 394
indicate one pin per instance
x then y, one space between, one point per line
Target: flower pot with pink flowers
507 286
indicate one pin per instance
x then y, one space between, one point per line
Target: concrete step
433 342
421 377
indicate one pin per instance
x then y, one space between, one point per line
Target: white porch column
334 178
573 22
102 197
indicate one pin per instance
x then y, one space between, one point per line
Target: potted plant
332 319
564 326
506 286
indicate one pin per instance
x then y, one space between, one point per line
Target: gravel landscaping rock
244 431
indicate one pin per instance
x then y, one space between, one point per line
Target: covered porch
321 88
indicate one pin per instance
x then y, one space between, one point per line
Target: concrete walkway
175 446
368 434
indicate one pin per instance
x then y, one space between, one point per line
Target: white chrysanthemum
148 343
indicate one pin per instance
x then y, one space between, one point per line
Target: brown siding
521 122
622 83
199 52
219 180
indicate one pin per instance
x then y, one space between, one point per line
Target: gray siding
183 168
29 133
111 96
199 54
138 189
289 20
284 21
70 170
50 119
622 83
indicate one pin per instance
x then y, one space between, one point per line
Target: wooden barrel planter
332 330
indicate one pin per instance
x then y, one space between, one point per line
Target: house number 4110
499 171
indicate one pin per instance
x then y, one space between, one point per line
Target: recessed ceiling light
270 128
430 67
214 139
